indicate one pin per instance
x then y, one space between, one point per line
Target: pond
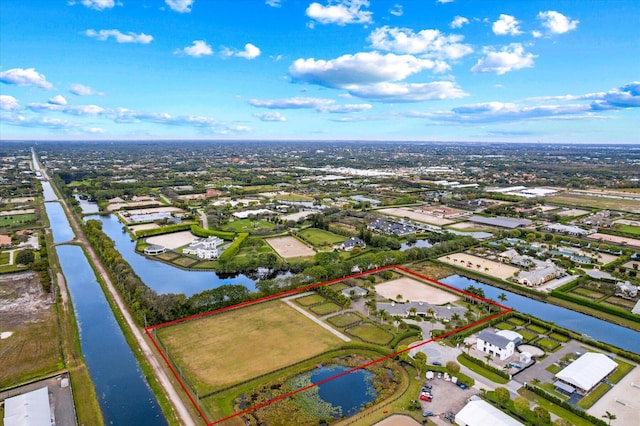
416 244
597 329
345 395
86 205
161 277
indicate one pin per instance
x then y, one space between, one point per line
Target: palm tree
468 346
502 297
609 416
370 304
397 319
430 312
455 317
488 358
413 311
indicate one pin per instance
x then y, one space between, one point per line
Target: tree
542 415
420 362
609 416
502 395
468 346
453 367
25 257
502 297
488 358
371 305
399 298
521 404
562 422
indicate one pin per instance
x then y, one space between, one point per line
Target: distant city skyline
429 70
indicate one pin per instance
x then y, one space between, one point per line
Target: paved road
322 324
203 218
182 411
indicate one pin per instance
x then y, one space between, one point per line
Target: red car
425 398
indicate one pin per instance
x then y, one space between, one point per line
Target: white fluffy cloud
509 58
506 25
250 52
180 6
119 36
82 90
361 68
458 22
318 104
427 43
342 13
556 22
274 3
58 100
25 77
98 4
396 10
9 103
197 49
408 92
270 116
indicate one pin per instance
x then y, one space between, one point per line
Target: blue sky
434 70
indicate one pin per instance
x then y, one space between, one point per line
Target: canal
603 331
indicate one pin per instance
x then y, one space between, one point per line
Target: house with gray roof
501 222
442 313
497 344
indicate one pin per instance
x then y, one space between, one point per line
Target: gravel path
322 324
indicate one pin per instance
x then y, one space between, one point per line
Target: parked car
425 398
427 414
437 363
439 375
461 385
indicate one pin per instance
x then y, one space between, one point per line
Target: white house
539 276
497 344
352 243
205 248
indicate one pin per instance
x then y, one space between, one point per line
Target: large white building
205 248
587 371
501 344
480 413
28 409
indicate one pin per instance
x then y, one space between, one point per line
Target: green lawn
371 334
547 344
292 197
516 321
16 219
4 258
526 334
319 237
537 329
628 229
621 371
559 337
344 320
338 286
585 292
325 308
553 369
247 225
312 299
594 396
505 326
482 371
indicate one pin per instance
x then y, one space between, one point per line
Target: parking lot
447 397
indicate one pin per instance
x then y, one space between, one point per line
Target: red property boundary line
149 333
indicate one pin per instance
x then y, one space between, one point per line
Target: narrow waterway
604 331
124 395
159 276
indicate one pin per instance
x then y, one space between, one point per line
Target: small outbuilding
28 409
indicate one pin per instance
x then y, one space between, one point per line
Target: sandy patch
415 291
571 212
118 206
415 215
172 241
615 239
623 400
5 334
16 212
143 227
289 247
464 225
192 196
297 216
487 267
398 420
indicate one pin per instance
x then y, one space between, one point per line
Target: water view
60 227
124 395
159 276
350 392
616 335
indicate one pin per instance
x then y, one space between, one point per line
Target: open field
290 247
615 239
143 227
16 219
487 267
29 327
230 347
571 212
628 229
320 237
415 291
247 225
416 215
173 240
595 201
